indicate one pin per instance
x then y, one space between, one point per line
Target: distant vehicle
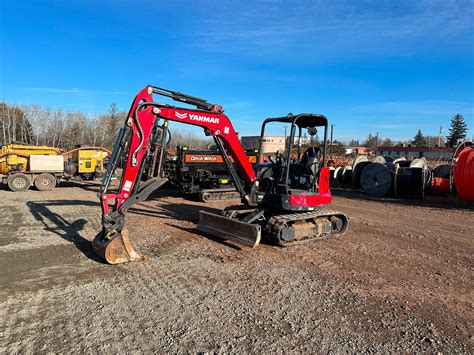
203 173
23 165
85 163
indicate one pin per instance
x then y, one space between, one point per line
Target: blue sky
371 66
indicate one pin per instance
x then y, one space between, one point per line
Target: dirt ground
400 279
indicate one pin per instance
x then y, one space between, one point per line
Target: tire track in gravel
197 295
172 311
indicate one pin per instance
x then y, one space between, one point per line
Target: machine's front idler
115 247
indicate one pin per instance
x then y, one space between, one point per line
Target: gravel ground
399 280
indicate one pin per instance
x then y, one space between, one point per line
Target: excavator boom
134 142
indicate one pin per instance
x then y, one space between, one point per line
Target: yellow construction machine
85 163
22 165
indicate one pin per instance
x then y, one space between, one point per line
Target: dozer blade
228 228
115 248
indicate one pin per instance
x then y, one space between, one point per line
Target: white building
270 143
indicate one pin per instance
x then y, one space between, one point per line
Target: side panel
47 163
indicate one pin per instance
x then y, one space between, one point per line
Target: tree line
457 133
33 124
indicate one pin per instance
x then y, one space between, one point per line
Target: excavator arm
134 148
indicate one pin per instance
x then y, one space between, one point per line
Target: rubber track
278 222
207 196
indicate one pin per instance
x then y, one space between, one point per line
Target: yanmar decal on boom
198 118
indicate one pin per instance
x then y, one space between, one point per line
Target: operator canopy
303 120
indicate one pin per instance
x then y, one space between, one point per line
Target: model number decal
203 158
127 185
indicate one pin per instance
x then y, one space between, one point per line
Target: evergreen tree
372 142
387 142
338 148
419 140
353 143
457 131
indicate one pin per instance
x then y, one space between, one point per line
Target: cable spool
379 159
331 174
463 171
347 175
404 163
359 164
418 163
376 179
440 178
339 175
410 182
398 160
442 171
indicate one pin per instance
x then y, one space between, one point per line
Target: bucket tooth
229 228
115 248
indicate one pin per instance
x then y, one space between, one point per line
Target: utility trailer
22 165
202 173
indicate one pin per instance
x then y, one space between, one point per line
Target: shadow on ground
93 186
60 226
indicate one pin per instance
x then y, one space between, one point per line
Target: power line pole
332 131
376 142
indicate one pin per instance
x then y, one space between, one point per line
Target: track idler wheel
115 247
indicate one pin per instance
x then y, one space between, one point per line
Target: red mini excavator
285 201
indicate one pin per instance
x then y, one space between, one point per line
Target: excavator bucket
229 228
116 248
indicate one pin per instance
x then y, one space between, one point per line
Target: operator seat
310 160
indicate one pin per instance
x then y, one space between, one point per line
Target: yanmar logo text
198 118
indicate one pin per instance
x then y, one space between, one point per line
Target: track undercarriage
221 194
283 229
